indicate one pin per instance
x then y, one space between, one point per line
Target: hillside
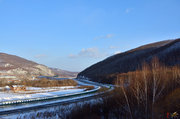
167 51
19 68
63 73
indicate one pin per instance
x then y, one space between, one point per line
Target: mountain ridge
12 65
167 51
63 73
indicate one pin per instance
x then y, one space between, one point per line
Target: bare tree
145 73
125 94
158 83
176 74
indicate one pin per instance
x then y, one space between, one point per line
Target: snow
61 109
86 81
46 92
33 88
49 102
40 92
49 88
4 96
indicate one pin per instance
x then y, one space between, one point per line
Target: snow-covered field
55 112
34 92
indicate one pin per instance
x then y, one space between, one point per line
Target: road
68 100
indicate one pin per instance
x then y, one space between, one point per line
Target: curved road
56 103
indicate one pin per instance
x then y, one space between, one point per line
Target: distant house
16 88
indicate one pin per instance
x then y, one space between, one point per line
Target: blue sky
74 34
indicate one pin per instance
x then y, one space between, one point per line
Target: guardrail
95 83
48 97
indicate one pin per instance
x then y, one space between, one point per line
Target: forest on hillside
152 92
168 53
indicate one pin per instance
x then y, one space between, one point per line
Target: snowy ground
34 92
55 112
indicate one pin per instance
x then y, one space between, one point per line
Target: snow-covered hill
11 65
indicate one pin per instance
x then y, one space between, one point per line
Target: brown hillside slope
11 65
168 53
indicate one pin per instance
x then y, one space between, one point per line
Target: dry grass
41 83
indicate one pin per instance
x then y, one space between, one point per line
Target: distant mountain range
12 66
167 51
63 73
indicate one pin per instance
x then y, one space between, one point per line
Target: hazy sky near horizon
74 34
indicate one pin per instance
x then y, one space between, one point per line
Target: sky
74 34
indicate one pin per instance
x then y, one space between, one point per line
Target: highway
24 107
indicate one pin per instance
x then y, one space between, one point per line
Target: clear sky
74 34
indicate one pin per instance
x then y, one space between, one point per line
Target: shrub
49 83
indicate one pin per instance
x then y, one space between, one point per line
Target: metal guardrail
48 97
66 96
